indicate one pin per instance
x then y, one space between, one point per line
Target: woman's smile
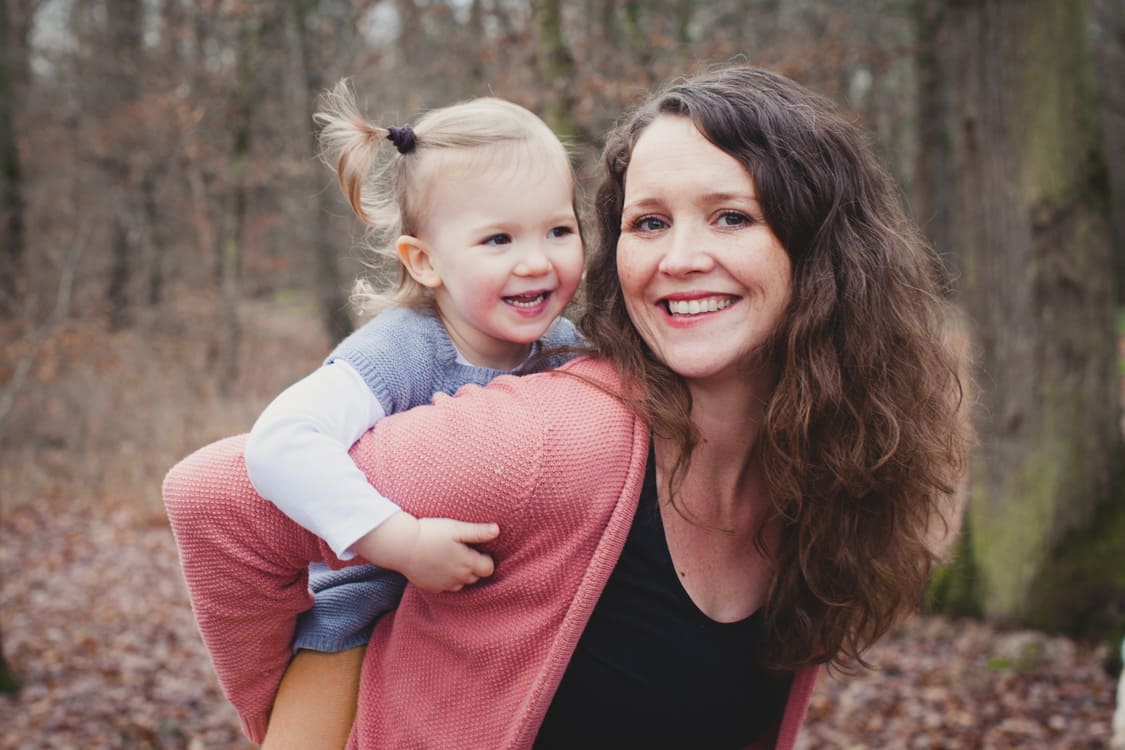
681 306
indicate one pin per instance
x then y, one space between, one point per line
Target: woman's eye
558 232
734 219
649 224
498 239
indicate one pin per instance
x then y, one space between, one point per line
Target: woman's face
704 278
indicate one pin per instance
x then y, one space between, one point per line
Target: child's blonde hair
389 194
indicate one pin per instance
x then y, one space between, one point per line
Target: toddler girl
475 206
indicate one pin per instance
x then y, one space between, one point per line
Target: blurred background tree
174 254
1028 194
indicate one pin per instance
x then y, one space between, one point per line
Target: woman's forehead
672 155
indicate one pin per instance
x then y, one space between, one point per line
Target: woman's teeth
696 306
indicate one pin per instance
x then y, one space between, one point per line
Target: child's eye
560 231
498 239
734 219
649 224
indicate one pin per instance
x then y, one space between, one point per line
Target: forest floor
98 627
95 619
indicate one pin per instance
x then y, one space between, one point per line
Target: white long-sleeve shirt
297 456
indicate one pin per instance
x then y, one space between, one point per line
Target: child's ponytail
351 143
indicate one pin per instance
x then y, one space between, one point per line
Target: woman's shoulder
570 406
588 381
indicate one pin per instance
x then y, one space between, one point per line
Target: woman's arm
246 568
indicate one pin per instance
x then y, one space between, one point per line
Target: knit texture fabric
557 462
425 360
348 602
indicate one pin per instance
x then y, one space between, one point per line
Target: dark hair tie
403 138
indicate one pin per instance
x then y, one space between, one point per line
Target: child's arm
297 458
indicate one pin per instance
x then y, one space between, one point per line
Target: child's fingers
482 567
475 533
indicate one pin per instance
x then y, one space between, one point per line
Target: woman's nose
685 253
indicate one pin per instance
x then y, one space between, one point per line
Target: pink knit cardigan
556 462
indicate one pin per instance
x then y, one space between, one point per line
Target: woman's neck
724 486
730 414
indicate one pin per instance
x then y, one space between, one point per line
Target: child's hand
433 553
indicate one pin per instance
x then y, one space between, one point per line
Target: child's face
504 245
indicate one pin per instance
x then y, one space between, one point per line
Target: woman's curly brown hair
863 442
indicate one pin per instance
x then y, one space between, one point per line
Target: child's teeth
525 301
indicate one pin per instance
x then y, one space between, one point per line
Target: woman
736 487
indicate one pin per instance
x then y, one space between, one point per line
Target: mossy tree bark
1030 210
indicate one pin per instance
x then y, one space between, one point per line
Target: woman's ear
415 256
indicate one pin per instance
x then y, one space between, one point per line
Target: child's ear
416 257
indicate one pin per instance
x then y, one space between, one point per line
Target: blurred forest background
172 254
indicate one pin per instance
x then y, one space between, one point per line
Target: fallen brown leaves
97 625
957 685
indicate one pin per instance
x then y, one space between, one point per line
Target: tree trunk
230 249
124 20
11 257
8 681
634 33
1109 62
556 68
1037 282
14 62
932 174
329 283
157 252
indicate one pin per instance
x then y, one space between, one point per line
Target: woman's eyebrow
720 196
717 196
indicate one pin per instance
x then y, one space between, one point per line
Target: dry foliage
107 413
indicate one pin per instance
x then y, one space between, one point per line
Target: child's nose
533 261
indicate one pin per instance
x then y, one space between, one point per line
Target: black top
651 670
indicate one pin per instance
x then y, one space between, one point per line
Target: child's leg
315 704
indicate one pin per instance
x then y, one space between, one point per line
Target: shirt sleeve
297 456
246 569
